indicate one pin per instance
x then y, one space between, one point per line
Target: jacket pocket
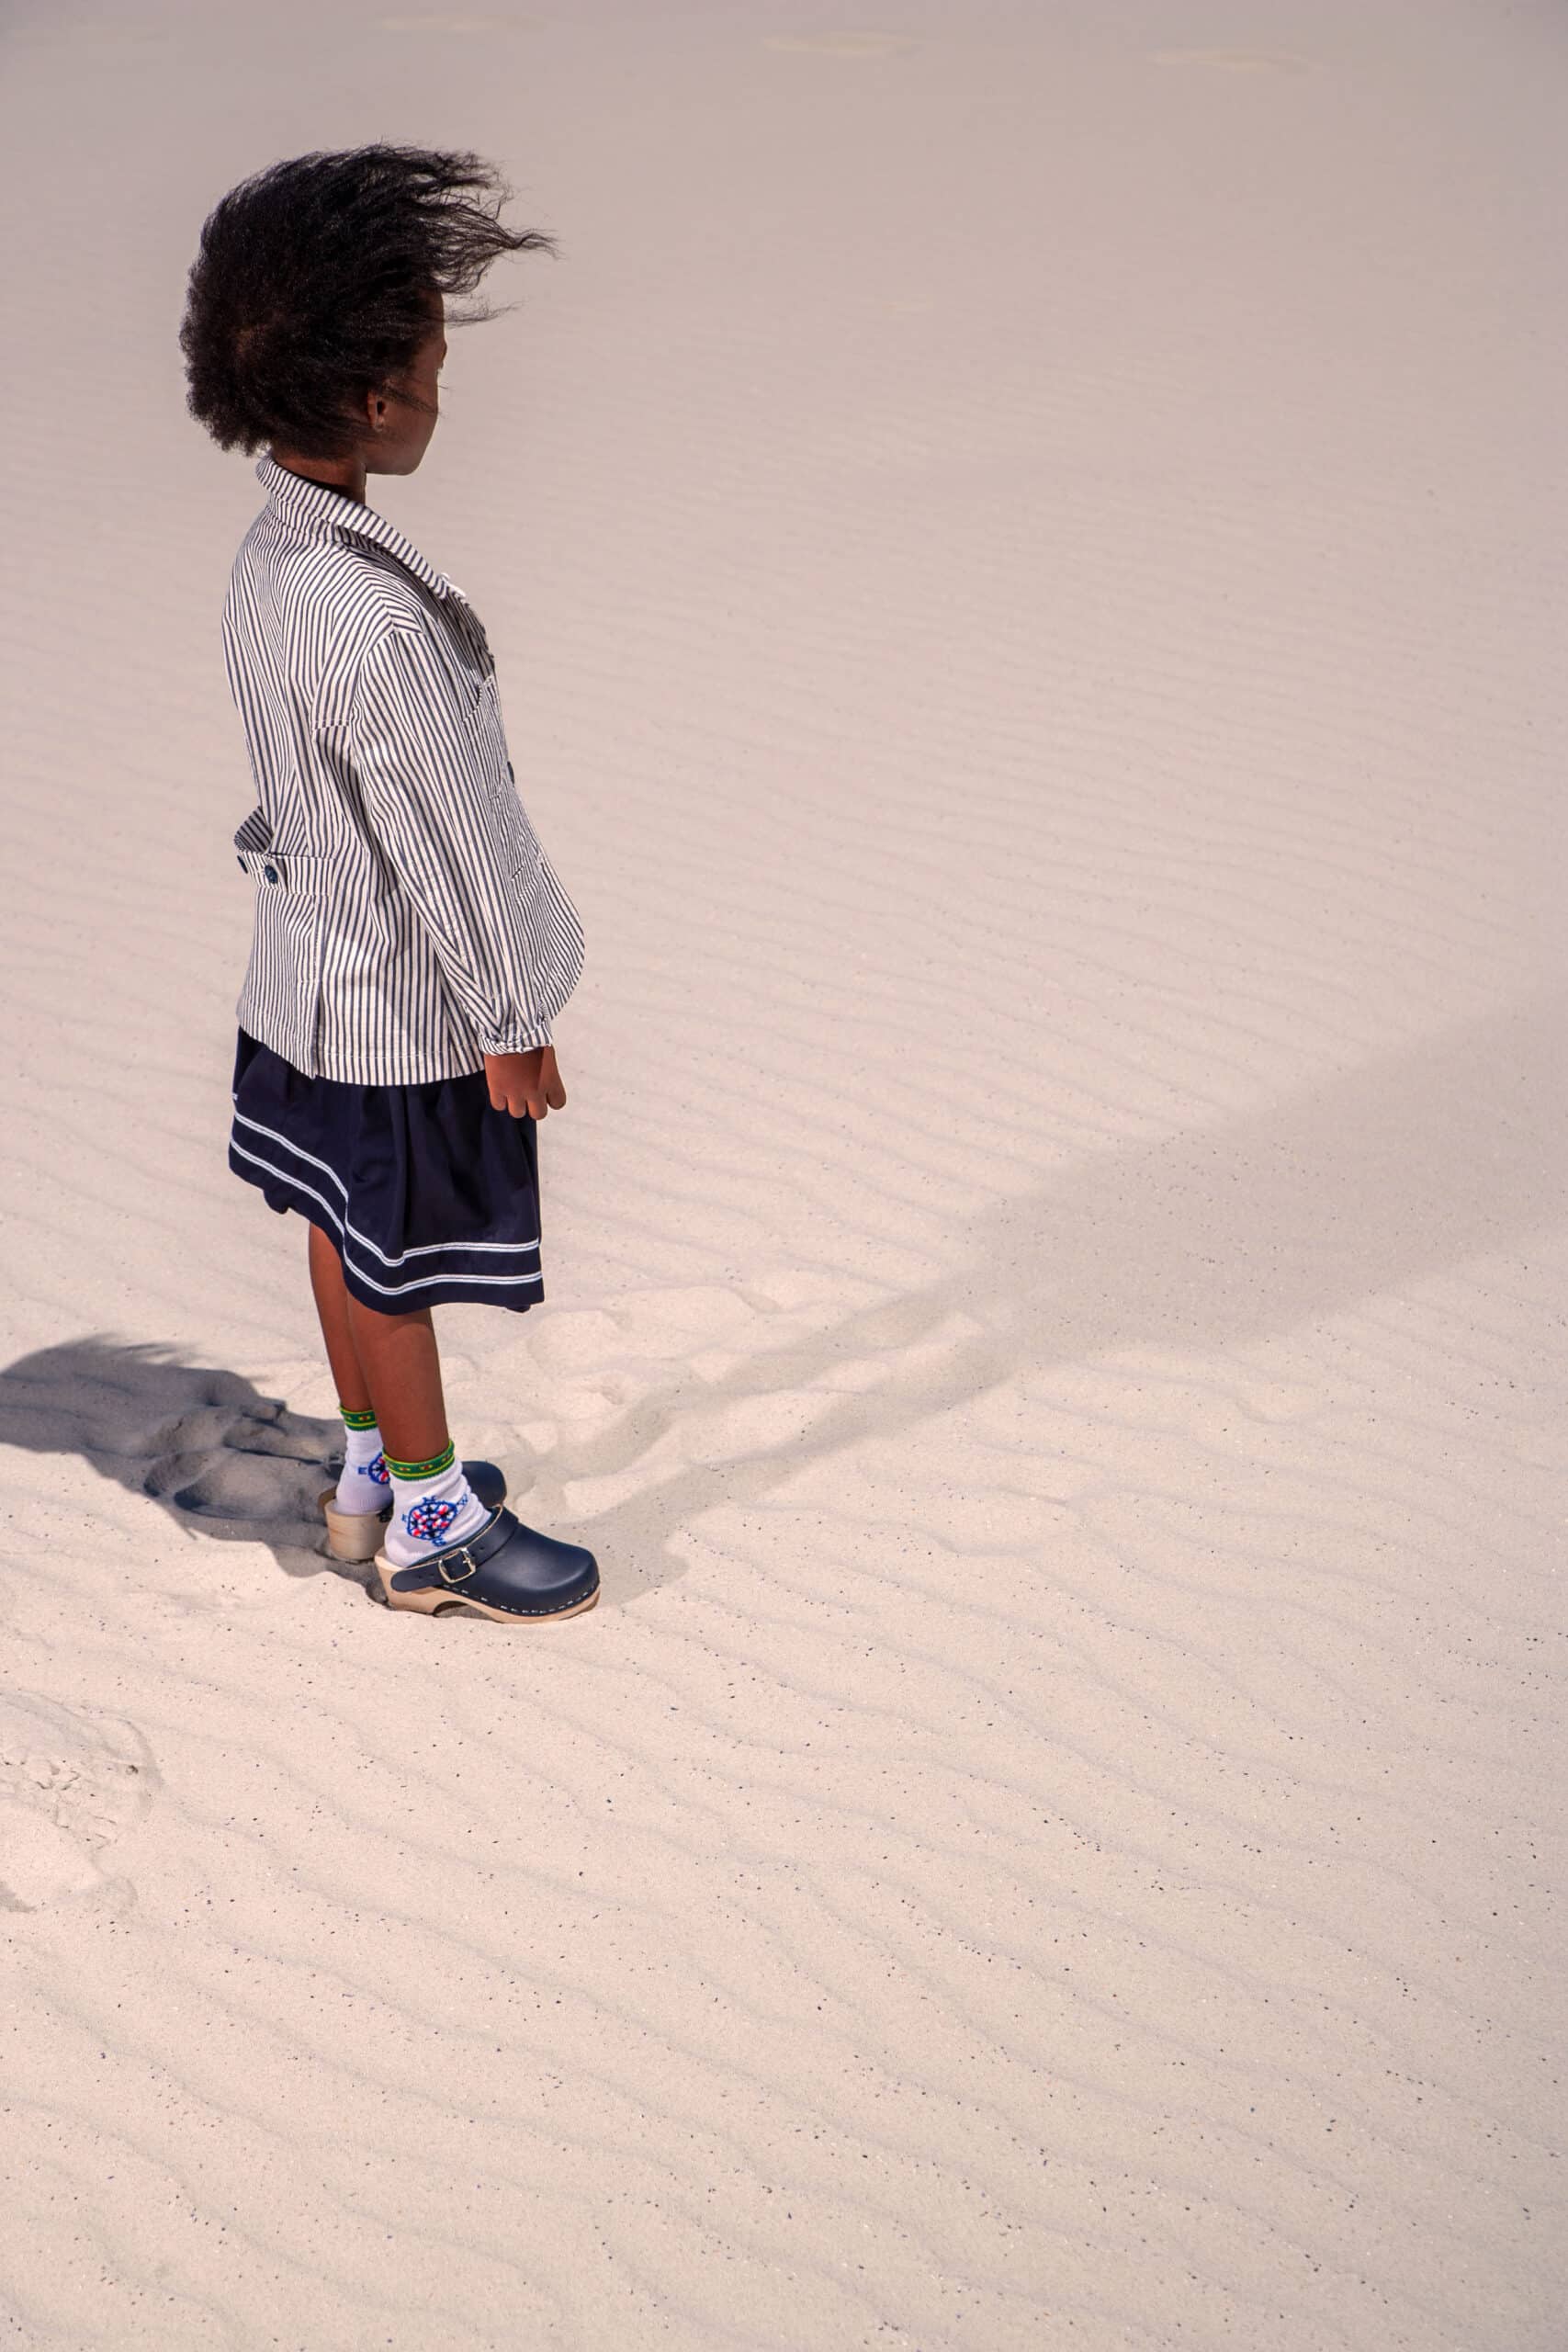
256 833
301 871
281 998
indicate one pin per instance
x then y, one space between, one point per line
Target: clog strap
456 1563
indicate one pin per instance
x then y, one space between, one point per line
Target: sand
1025 549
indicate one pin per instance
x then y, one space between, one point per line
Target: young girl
413 943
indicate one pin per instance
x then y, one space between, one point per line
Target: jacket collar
309 507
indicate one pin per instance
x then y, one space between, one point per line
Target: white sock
429 1513
364 1486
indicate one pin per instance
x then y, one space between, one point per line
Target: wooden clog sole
438 1601
352 1535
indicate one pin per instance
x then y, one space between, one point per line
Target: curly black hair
313 283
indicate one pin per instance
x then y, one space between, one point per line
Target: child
413 943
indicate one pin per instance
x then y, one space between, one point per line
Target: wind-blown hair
313 283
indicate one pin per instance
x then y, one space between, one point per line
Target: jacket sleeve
418 757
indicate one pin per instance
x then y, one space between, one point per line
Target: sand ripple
1031 606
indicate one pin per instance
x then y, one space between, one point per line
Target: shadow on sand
1451 1149
219 1457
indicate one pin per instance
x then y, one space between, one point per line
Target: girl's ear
376 410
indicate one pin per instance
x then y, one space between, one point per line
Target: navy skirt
428 1193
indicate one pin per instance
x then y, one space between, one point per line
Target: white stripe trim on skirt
387 1290
421 1250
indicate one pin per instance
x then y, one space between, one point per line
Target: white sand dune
1026 551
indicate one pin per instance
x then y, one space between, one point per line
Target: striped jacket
407 920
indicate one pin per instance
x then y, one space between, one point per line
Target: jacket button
271 873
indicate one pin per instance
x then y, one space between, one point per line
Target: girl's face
403 415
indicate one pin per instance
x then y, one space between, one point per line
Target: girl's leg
403 1369
390 1361
382 1363
332 1306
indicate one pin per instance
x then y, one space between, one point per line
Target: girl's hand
528 1085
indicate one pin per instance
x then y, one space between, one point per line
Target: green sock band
356 1421
431 1467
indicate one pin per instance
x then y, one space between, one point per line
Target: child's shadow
220 1458
1384 1174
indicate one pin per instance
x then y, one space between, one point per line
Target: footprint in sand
843 44
259 1465
71 1785
205 1443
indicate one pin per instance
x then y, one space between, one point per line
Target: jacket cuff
520 1039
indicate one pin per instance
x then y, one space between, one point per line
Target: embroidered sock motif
430 1520
432 1507
364 1483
